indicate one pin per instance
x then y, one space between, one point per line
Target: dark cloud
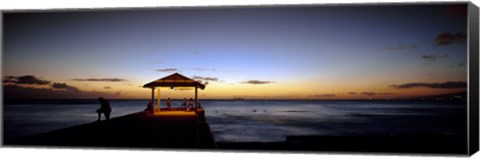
20 92
205 83
64 86
25 87
445 85
399 47
101 79
256 82
326 95
448 38
25 80
203 69
368 93
205 78
168 70
461 64
432 58
429 58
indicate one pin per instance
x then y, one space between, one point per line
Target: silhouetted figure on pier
190 103
149 106
184 104
104 108
169 103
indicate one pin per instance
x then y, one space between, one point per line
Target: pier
138 130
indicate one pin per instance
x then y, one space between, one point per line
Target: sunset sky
309 52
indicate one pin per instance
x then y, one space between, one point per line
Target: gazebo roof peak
174 80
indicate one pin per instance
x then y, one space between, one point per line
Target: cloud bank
25 80
31 87
168 70
447 38
432 57
326 95
368 93
64 86
203 69
205 80
444 85
255 82
101 79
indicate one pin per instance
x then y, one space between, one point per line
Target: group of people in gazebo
184 105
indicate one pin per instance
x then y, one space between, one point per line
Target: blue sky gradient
366 48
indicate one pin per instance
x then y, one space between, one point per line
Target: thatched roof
174 80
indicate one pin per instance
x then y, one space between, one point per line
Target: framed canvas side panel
473 136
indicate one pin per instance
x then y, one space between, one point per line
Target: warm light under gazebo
172 81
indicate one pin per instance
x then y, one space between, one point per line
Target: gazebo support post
152 99
158 99
197 134
196 99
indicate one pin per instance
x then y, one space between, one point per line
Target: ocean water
263 121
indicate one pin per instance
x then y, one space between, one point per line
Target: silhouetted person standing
190 103
184 104
169 103
104 108
149 106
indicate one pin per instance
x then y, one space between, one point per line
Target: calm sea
265 121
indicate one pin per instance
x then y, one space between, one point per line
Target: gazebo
172 81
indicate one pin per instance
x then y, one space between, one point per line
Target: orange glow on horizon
284 91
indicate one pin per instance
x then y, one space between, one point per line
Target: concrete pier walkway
137 130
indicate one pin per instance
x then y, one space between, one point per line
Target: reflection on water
265 121
274 120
